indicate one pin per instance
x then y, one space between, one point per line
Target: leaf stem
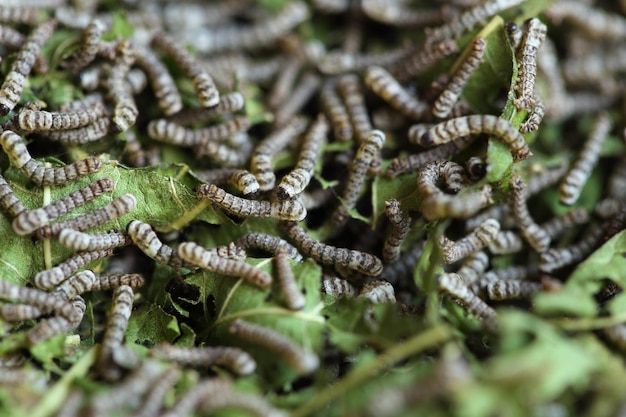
418 343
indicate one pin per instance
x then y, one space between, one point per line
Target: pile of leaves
557 352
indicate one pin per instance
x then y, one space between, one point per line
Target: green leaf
150 325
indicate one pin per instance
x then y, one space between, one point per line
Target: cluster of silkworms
352 157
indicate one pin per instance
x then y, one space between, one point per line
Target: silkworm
153 401
169 132
228 156
534 34
77 284
25 15
9 202
20 312
241 179
10 37
368 152
13 84
52 277
37 298
512 290
362 262
506 242
475 241
414 162
462 126
535 116
39 120
185 16
284 210
389 89
337 287
294 298
248 37
83 242
120 312
302 360
594 22
297 179
397 14
336 112
122 205
452 285
511 273
420 62
549 65
163 85
125 109
268 243
248 402
476 167
88 49
532 232
573 182
547 177
341 61
57 325
468 20
198 255
554 259
558 225
203 84
229 103
301 94
400 226
232 358
201 391
138 157
436 204
616 334
261 161
443 105
514 34
350 92
473 267
147 241
29 221
14 147
378 292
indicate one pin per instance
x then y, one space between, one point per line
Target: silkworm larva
416 161
14 146
232 358
368 152
400 226
336 112
168 132
511 273
475 241
398 14
153 401
302 360
248 402
534 34
241 179
378 292
77 284
88 49
83 242
52 277
532 232
125 109
203 390
473 267
261 161
532 122
512 290
452 285
424 60
554 258
20 312
198 255
616 335
90 133
337 287
37 298
163 85
57 325
297 180
39 120
146 239
286 279
29 221
202 82
468 20
462 126
389 89
476 167
13 84
25 15
229 103
506 242
350 92
115 209
301 94
9 202
560 224
121 308
284 210
573 182
594 22
228 156
268 243
514 34
330 255
443 105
